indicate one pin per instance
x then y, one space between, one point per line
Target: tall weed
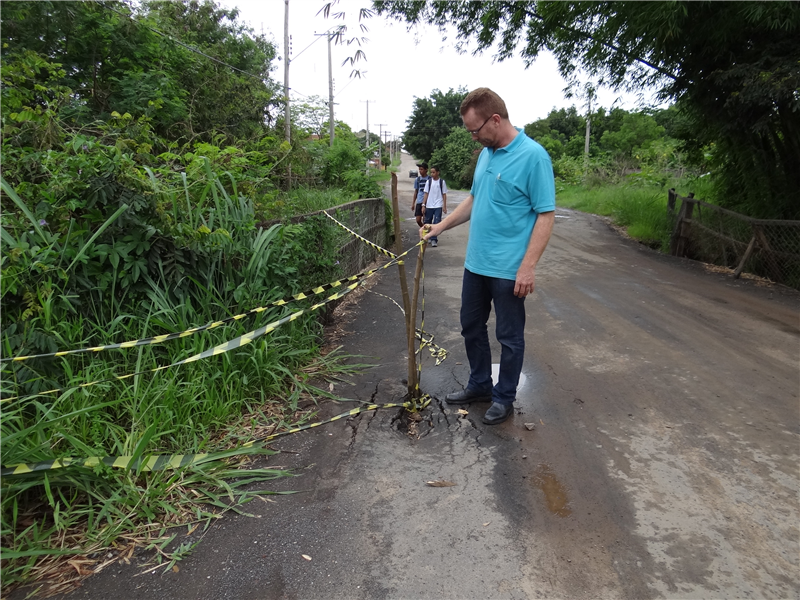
641 210
210 262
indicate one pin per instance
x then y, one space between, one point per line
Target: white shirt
435 191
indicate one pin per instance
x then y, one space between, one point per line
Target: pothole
412 424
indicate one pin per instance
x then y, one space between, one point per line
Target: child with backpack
434 202
419 191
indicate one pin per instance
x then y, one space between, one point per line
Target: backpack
441 189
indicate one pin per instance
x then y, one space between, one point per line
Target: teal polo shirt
511 186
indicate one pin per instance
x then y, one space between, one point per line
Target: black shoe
466 396
498 413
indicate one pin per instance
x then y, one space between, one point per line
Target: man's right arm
460 215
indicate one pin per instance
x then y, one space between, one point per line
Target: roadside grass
212 405
640 210
54 523
380 175
301 201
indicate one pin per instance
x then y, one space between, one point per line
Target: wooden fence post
673 242
671 195
680 235
746 256
401 269
415 393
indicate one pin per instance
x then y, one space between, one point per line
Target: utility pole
366 137
330 90
589 96
329 35
286 116
380 148
588 130
387 142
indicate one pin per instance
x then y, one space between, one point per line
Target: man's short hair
435 168
422 165
485 103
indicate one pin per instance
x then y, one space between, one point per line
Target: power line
345 87
312 43
200 52
180 43
208 56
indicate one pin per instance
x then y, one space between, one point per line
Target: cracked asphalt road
663 462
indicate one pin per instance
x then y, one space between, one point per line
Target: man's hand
427 231
526 274
526 281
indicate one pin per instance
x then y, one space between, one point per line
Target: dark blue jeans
477 294
433 215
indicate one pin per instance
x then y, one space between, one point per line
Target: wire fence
763 247
366 217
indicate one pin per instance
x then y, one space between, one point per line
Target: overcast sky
400 66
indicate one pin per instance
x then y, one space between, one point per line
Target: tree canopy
457 157
108 106
731 67
431 120
189 67
620 138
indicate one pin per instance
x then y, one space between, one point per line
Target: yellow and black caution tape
159 339
390 299
363 239
176 461
238 342
437 352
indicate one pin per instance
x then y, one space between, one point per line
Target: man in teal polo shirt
511 210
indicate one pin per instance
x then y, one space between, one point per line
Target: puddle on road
496 376
555 494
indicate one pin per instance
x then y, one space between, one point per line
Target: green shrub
456 158
216 265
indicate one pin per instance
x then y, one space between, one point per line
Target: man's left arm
526 274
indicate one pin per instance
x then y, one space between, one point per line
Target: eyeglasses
475 131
